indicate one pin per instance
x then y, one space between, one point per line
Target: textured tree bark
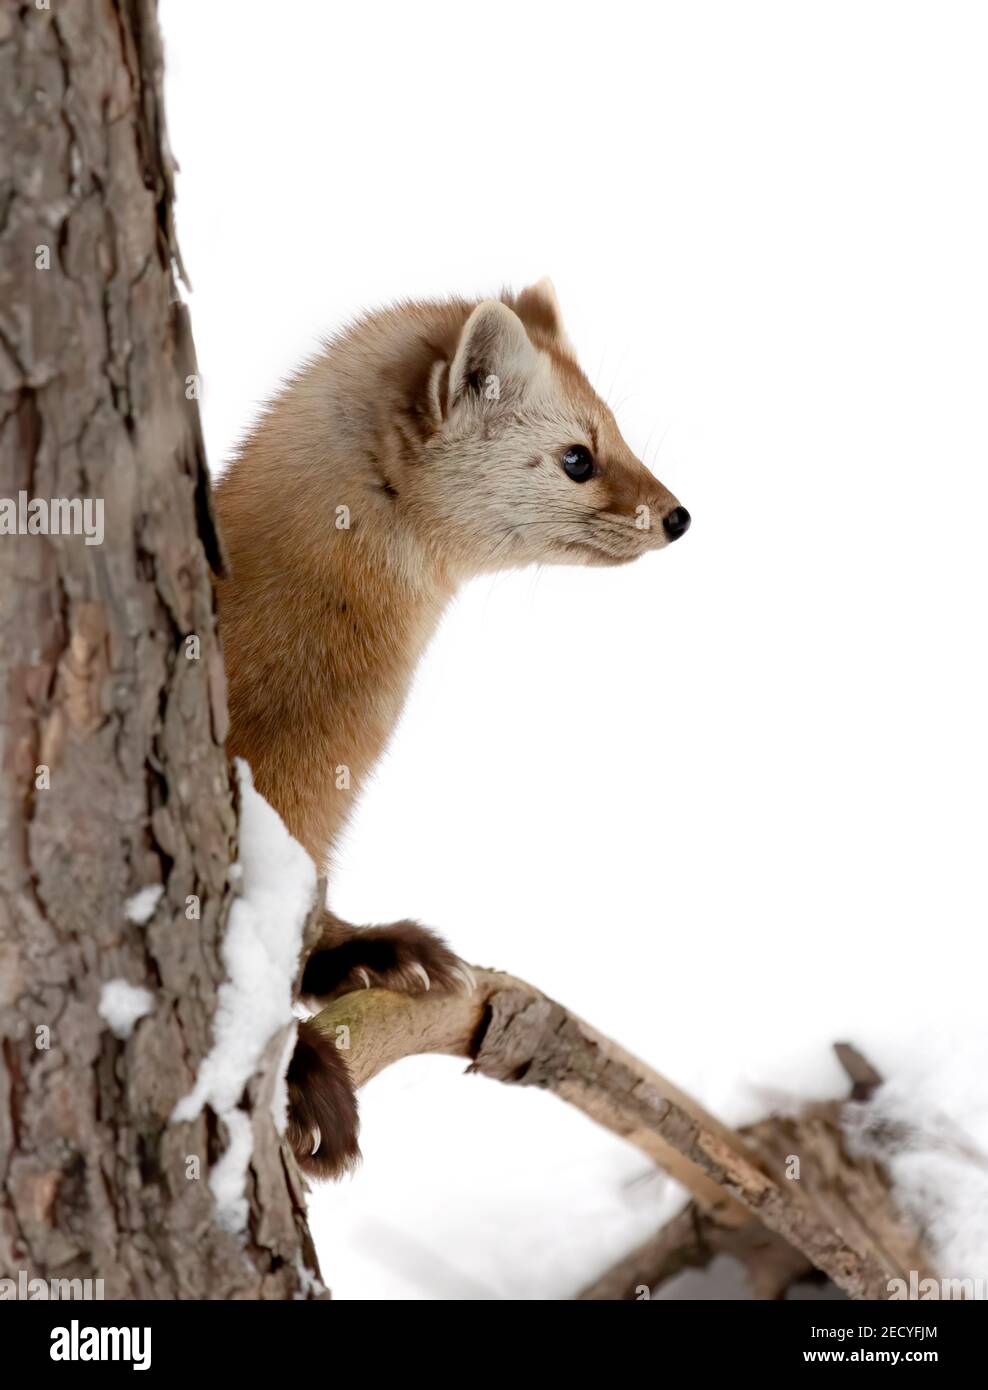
114 773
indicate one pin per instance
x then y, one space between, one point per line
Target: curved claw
466 975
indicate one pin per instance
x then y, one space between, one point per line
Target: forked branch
510 1031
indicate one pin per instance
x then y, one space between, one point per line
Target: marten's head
522 462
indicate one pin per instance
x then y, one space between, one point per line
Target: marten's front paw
403 957
322 1107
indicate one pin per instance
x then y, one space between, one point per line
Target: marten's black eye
578 463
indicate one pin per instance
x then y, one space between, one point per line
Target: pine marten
427 443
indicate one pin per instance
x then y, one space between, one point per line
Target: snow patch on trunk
122 1004
277 882
227 1180
310 1285
140 908
279 1096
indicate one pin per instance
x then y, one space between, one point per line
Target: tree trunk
114 772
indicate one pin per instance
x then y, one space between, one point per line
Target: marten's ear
494 356
538 308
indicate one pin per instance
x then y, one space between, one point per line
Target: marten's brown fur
423 446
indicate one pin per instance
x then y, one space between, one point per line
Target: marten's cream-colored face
527 464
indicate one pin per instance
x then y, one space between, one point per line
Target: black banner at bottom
335 1338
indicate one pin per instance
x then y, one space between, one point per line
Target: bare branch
512 1032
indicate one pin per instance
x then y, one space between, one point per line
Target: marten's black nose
677 523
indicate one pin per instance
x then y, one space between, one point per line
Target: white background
728 803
